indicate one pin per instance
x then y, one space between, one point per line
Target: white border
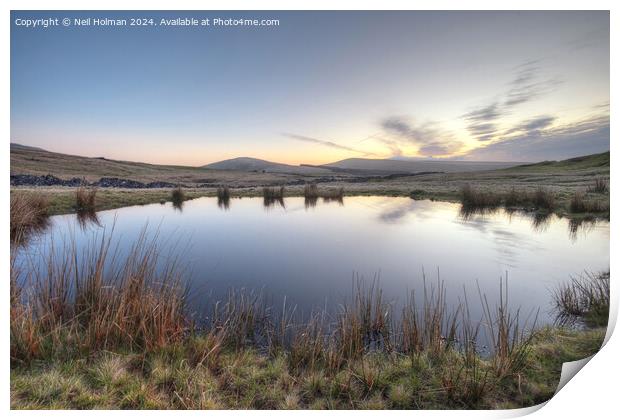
591 394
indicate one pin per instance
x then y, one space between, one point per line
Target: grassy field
104 331
563 179
173 378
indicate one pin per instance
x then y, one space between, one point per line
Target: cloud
585 137
440 149
430 140
325 143
481 121
410 131
533 125
526 85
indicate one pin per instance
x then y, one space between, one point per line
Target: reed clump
85 198
600 186
584 298
579 204
177 195
223 193
28 213
81 303
312 192
544 199
223 197
473 198
273 195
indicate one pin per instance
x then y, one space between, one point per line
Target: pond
311 252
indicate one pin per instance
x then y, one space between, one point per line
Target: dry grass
273 195
223 197
472 198
85 199
177 195
29 213
584 298
599 186
82 303
579 204
544 199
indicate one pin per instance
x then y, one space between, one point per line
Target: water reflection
310 202
269 202
85 218
335 199
223 202
585 226
308 256
178 205
540 221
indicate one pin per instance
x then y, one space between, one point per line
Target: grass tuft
85 198
584 298
28 214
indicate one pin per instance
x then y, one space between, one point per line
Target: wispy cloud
535 143
533 125
430 140
326 143
527 84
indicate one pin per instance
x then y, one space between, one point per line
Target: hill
599 160
411 166
248 164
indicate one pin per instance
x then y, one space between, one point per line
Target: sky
317 88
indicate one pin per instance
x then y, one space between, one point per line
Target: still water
311 253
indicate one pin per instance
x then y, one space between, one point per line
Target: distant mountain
415 166
248 164
17 146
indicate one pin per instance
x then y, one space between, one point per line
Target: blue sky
319 87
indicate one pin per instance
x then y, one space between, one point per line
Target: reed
472 198
84 302
579 204
544 199
223 193
311 191
510 338
517 198
273 195
28 213
223 197
177 195
584 298
600 186
431 328
85 198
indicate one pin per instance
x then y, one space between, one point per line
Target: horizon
475 86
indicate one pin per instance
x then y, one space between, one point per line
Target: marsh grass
82 303
600 186
28 214
584 298
476 200
85 198
223 197
312 194
544 199
273 195
579 204
86 304
178 196
473 198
